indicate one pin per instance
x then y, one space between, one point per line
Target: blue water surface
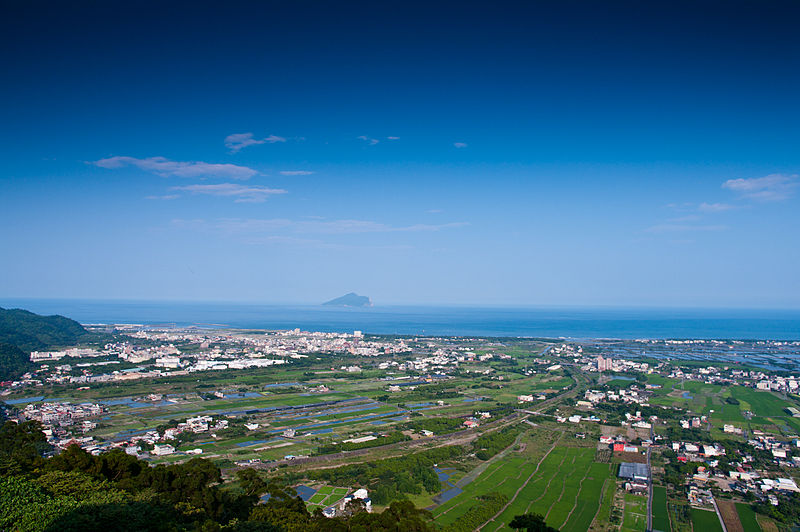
569 322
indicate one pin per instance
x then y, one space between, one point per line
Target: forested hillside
76 491
32 332
13 362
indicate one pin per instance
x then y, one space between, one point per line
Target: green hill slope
32 332
22 332
13 362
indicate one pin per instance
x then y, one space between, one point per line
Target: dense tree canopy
13 362
77 491
31 332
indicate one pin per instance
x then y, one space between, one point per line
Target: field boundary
503 509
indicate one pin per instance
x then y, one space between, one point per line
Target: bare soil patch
730 516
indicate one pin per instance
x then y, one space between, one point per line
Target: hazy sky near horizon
531 153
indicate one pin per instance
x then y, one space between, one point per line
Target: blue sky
519 154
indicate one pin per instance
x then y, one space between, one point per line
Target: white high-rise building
604 364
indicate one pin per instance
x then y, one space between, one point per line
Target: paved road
719 515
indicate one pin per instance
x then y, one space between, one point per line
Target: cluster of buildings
529 398
62 414
618 444
441 360
63 424
577 418
694 452
693 423
75 352
361 496
171 352
636 475
730 376
633 395
602 364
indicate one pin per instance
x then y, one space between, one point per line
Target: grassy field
660 512
565 487
761 403
601 520
326 496
635 518
747 517
705 520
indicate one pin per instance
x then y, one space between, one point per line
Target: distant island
349 300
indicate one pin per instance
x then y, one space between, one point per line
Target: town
669 441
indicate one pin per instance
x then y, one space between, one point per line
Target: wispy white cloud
773 187
190 169
392 138
715 207
460 144
237 141
296 172
687 218
434 211
272 225
240 193
368 140
164 197
683 228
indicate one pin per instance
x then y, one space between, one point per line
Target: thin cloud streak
295 172
164 197
334 227
238 141
773 187
715 207
240 193
679 228
370 141
189 169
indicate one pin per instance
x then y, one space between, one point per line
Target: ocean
540 322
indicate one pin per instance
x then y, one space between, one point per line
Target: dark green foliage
389 480
76 502
437 425
13 362
787 511
400 516
487 506
424 392
492 443
76 491
21 447
531 523
32 332
394 437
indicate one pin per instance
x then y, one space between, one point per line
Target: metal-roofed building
634 471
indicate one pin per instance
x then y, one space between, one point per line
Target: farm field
761 403
635 517
326 496
705 520
603 517
747 517
730 515
566 488
660 512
